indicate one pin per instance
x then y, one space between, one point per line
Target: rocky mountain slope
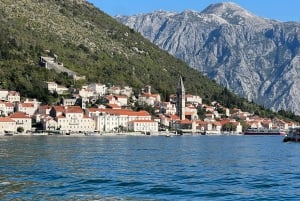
88 42
255 57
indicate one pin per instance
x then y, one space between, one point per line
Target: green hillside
93 44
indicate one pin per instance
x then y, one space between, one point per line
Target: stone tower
180 99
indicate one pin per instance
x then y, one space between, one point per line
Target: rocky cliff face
256 58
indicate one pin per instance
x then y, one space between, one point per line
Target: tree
20 129
228 127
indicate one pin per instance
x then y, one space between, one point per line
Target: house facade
71 119
7 125
22 120
110 120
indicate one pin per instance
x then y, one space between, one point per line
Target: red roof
6 119
113 106
73 109
120 111
59 108
143 121
20 115
185 121
26 104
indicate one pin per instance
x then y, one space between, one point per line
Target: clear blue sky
283 10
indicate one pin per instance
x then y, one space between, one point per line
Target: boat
293 135
264 131
8 133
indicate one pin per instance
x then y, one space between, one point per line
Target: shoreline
111 134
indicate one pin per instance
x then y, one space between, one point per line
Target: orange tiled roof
120 96
185 121
6 119
19 115
113 106
59 108
26 104
120 111
8 104
73 109
143 121
45 106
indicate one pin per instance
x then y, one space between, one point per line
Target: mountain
92 44
254 57
88 42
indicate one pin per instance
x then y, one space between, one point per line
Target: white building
44 109
51 86
193 99
127 91
86 93
3 94
13 96
27 108
54 87
6 108
113 90
7 125
109 120
167 108
143 126
71 119
22 120
149 99
49 124
99 89
121 100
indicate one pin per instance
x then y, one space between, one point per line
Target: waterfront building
143 126
110 120
22 120
71 119
7 124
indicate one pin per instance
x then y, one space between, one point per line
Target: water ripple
150 168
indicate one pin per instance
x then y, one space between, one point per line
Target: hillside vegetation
93 44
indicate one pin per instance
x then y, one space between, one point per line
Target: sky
282 10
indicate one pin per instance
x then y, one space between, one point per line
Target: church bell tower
180 99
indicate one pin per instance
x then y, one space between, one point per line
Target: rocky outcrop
256 58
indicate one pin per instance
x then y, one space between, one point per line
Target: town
113 114
95 108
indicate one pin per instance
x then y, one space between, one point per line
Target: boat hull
293 135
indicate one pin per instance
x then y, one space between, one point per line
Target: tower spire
180 99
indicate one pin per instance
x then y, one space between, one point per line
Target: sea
149 168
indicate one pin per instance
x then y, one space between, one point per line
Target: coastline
110 134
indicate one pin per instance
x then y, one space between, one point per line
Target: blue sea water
149 168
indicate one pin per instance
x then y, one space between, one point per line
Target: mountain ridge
87 41
255 57
92 44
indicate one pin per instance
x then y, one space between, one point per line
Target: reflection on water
148 168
